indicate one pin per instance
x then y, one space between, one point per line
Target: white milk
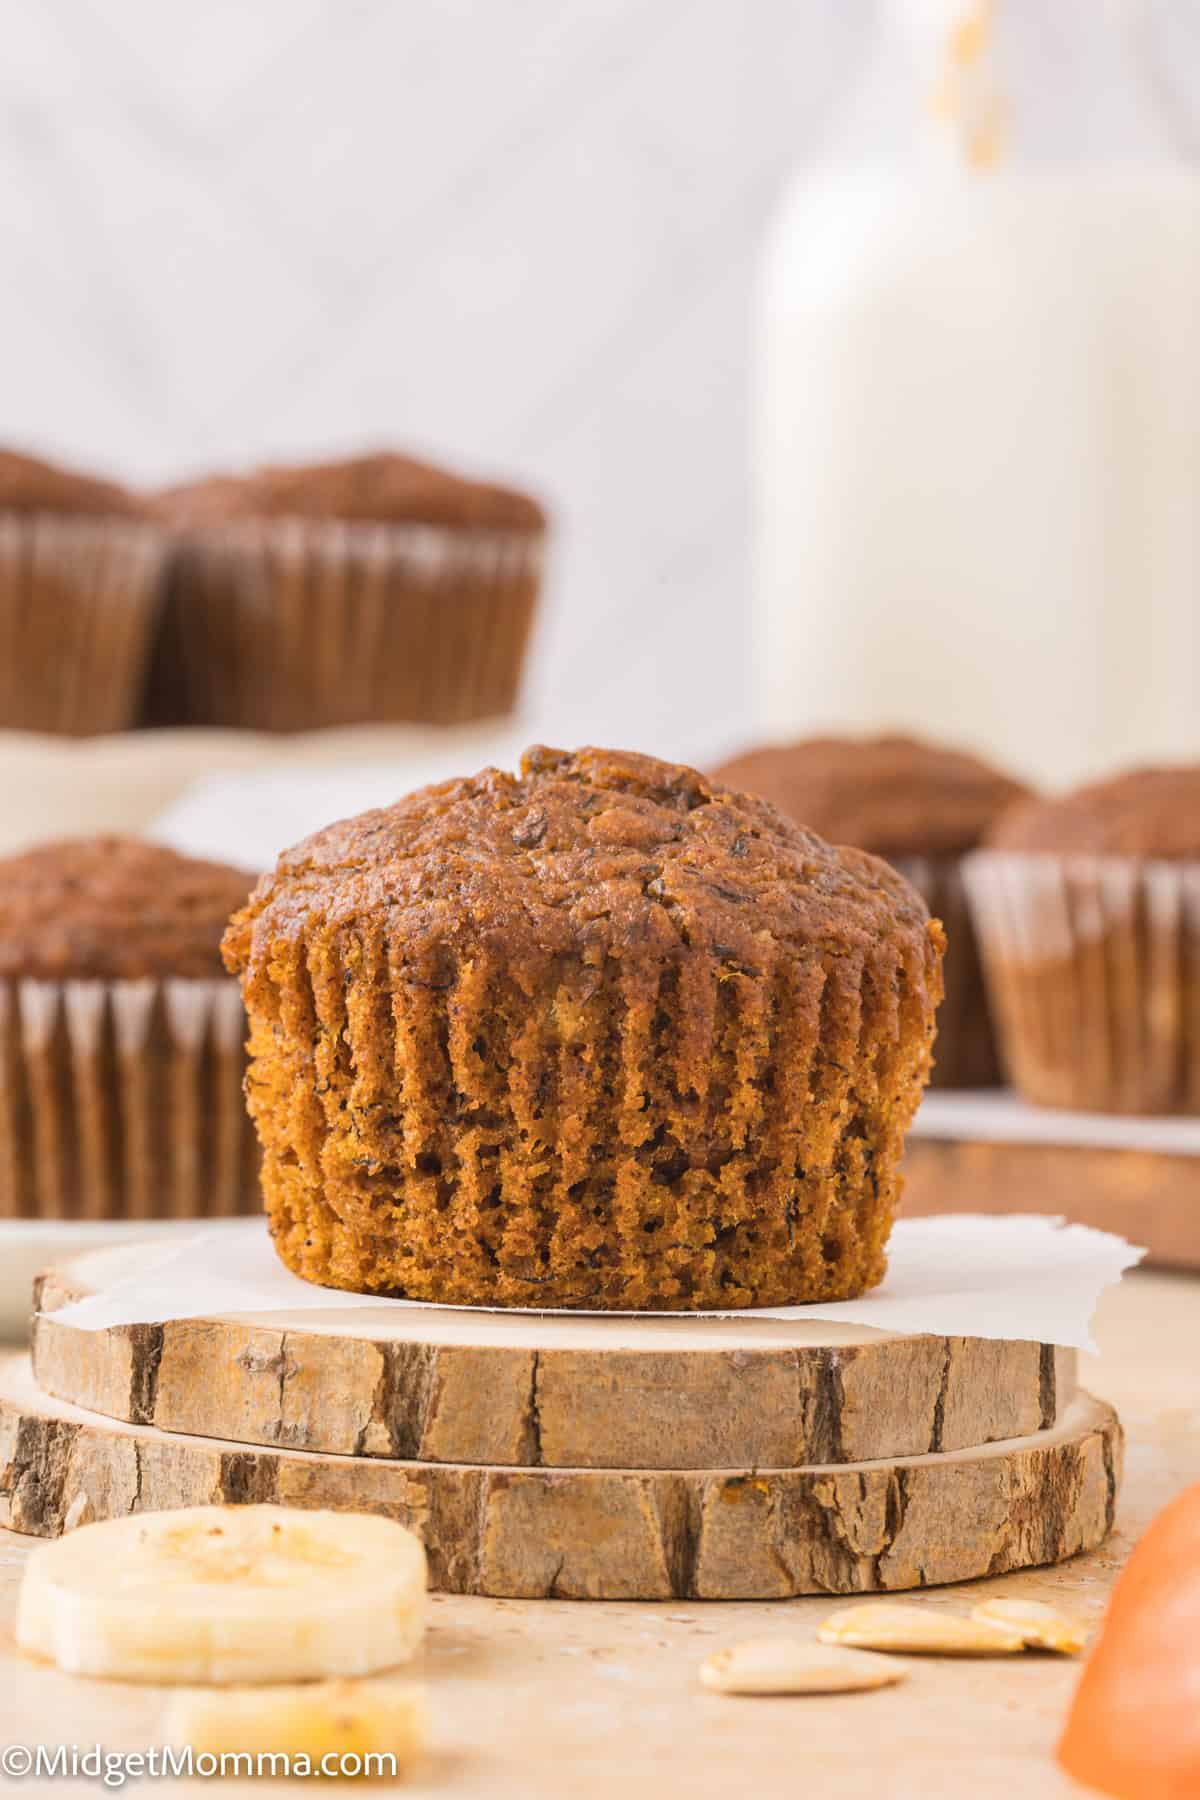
978 453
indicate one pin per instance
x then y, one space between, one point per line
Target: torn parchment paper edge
1017 1276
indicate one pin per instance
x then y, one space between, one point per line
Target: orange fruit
1133 1730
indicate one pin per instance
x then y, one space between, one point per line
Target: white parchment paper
955 1276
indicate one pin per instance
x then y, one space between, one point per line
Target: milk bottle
977 458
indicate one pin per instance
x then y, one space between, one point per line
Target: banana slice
226 1594
318 1719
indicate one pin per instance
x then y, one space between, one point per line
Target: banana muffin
375 589
121 1035
599 1034
1088 909
80 566
922 807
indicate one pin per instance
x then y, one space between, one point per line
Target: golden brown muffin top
586 853
1146 812
894 796
383 488
28 485
113 908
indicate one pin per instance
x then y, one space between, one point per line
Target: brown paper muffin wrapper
965 1053
295 625
652 1131
123 1100
1094 969
79 600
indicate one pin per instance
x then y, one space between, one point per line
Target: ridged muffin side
602 1034
1087 906
81 564
375 588
121 1037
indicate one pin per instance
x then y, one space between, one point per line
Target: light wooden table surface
560 1698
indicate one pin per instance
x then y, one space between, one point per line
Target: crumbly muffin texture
379 488
1152 812
599 1034
893 795
114 908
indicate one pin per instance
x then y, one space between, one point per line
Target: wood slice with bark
605 1534
549 1391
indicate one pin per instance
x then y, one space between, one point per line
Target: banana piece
315 1719
226 1594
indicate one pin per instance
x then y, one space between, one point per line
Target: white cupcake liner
123 1100
78 603
290 624
965 1054
1094 969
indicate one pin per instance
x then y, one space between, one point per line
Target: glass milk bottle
977 457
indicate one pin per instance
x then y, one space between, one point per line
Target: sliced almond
918 1628
1041 1627
787 1666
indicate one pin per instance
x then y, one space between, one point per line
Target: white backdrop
516 233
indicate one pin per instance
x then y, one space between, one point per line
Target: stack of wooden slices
576 1457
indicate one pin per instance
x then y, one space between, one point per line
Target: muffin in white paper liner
965 1053
79 601
123 1100
1093 963
293 624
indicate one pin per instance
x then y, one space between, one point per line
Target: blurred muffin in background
121 1036
1088 911
921 807
375 589
80 568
